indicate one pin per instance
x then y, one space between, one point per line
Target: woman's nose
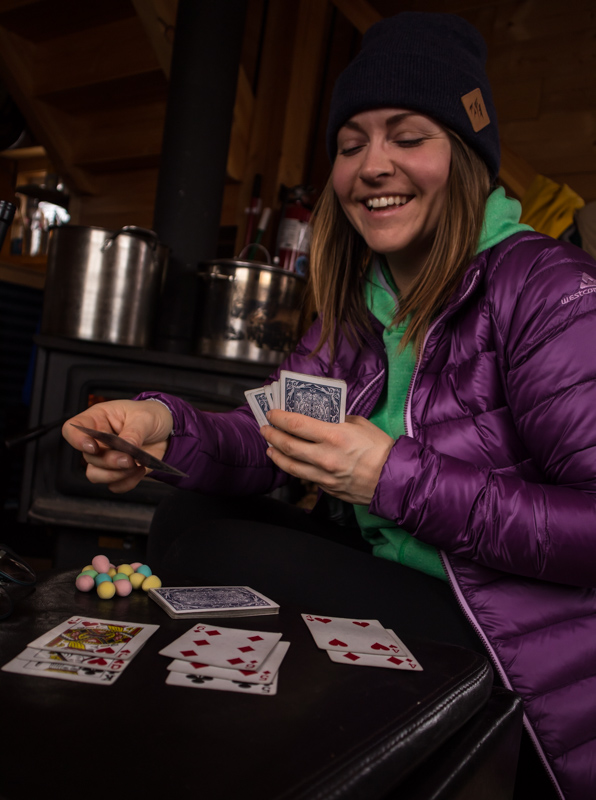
376 163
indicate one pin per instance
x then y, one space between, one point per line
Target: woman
469 455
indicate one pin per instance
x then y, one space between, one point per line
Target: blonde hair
339 256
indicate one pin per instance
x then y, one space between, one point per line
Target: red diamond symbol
187 653
246 649
255 638
200 642
352 657
235 661
213 633
197 665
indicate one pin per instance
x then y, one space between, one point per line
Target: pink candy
101 563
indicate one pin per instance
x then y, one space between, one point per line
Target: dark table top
353 731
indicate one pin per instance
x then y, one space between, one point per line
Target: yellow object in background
549 207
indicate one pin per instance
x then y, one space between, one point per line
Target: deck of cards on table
321 398
212 601
226 659
363 642
83 649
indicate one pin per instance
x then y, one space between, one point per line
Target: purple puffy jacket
497 470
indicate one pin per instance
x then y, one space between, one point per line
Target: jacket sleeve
544 527
224 452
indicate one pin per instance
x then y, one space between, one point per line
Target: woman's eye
349 151
409 142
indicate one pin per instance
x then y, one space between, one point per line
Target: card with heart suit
407 662
96 636
217 684
78 659
232 648
266 674
351 635
65 672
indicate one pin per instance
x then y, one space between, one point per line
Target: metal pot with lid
103 285
248 310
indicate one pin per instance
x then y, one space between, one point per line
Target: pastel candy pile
109 580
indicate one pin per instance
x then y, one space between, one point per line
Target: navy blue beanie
432 63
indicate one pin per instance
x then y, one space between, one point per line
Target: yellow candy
89 566
112 571
106 590
137 580
152 582
125 569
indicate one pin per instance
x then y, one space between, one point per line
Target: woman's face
390 176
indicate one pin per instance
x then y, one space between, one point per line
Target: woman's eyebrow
393 120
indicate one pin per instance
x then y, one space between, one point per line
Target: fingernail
123 462
89 447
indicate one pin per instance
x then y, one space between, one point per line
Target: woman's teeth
383 202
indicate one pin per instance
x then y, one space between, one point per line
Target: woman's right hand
144 423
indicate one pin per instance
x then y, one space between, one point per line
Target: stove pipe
192 173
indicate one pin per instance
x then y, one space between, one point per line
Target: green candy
92 572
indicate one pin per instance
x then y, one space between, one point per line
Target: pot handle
133 230
249 247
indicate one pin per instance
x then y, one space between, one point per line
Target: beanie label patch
473 102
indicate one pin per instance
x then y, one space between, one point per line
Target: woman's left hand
344 459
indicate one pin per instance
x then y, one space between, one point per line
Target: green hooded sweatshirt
501 220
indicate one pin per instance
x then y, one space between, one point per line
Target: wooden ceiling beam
359 12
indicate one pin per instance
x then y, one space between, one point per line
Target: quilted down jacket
497 469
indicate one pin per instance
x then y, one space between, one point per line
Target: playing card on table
403 661
96 636
217 684
65 672
351 635
266 674
212 601
232 648
321 398
78 659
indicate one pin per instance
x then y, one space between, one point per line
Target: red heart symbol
377 646
337 643
322 619
395 660
105 650
362 624
101 661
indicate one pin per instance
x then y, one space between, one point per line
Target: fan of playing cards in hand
321 398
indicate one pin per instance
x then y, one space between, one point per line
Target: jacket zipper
461 601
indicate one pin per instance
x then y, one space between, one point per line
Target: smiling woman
466 464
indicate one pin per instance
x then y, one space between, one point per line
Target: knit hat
432 63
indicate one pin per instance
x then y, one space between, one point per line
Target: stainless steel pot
248 311
103 285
